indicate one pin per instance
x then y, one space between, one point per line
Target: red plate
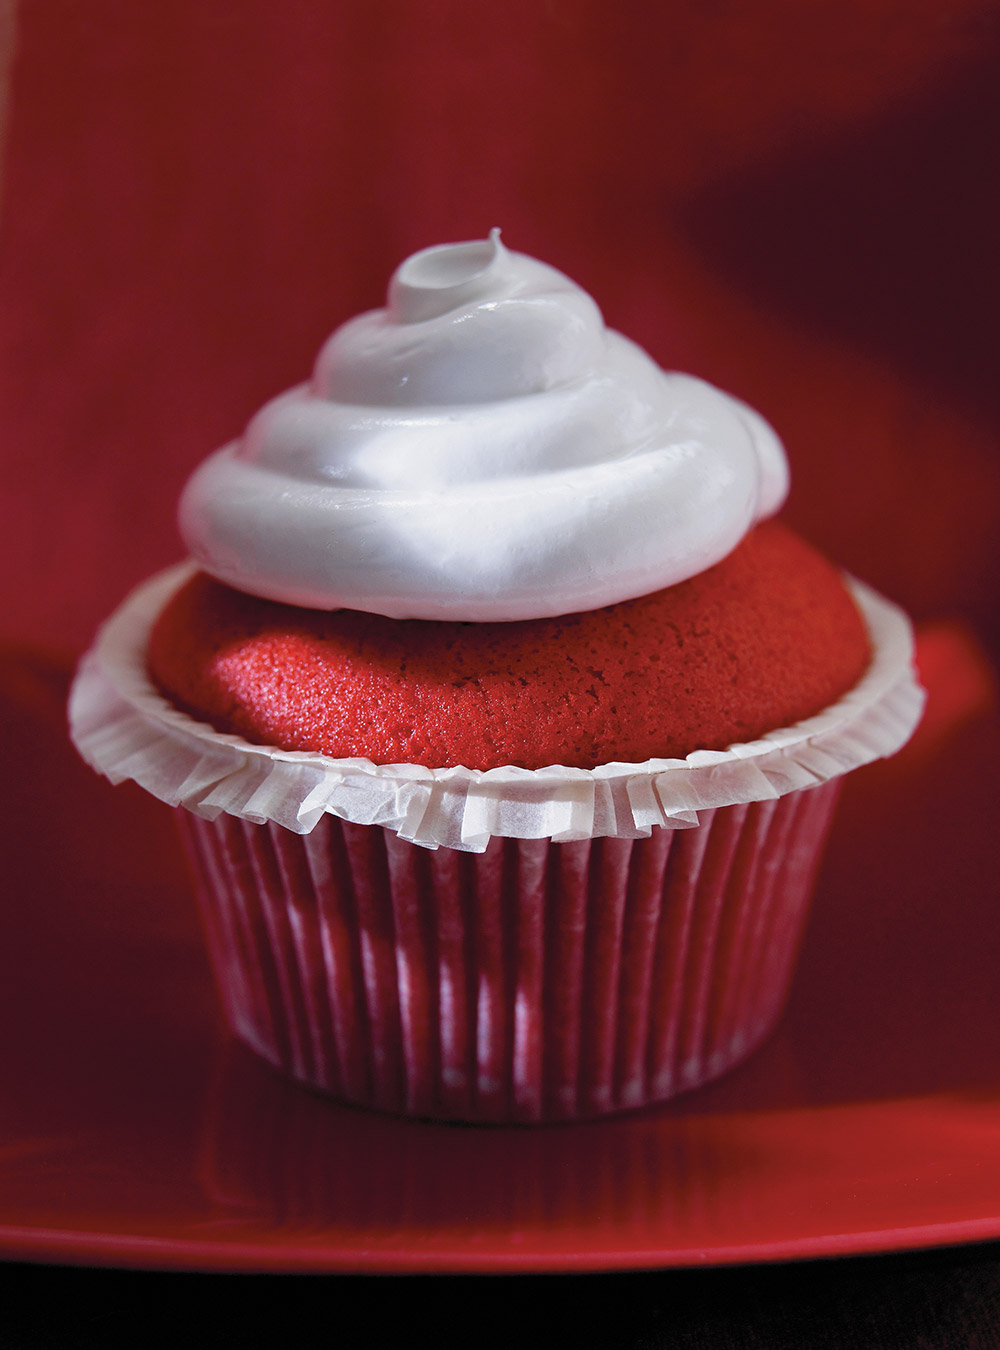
134 1133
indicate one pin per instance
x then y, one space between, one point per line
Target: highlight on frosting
483 448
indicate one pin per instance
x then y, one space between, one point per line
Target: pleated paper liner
499 945
531 982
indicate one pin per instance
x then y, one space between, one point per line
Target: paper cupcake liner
125 729
502 945
531 982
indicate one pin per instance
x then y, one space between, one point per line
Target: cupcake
503 721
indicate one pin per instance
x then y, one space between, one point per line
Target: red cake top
765 638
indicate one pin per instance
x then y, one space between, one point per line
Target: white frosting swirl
484 449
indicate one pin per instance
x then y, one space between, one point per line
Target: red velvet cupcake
505 735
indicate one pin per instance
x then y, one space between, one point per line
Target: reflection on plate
134 1132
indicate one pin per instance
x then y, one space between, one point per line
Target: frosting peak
443 277
464 323
482 448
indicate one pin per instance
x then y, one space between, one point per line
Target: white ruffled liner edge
125 729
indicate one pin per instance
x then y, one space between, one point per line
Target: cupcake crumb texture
764 639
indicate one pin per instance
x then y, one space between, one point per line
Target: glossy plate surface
133 1132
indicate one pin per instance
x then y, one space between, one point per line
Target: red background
794 198
796 201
